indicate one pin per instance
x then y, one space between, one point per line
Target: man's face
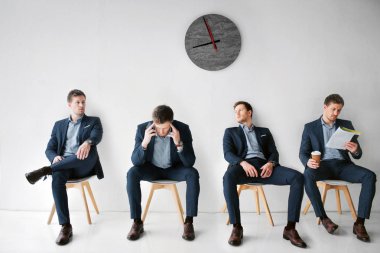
78 105
162 129
242 115
332 111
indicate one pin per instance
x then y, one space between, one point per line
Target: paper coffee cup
316 155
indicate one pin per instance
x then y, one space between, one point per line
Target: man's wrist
89 141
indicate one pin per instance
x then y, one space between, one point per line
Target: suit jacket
235 145
312 140
185 158
90 129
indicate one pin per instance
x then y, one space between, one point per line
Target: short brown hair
75 93
162 114
247 105
334 98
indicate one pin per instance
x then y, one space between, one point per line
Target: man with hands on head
335 164
73 155
163 150
253 158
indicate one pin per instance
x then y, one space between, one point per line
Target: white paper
340 137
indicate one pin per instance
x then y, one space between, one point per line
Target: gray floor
28 232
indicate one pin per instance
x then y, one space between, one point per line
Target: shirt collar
78 121
326 125
247 128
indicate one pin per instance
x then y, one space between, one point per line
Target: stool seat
80 184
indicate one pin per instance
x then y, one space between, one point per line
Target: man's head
76 100
162 118
243 112
332 107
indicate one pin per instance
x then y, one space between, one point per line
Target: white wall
129 56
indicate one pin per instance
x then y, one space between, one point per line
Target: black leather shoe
329 225
136 230
36 175
188 232
65 235
294 237
360 232
236 236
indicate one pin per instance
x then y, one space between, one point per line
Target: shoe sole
30 182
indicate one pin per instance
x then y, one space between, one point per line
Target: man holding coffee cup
322 163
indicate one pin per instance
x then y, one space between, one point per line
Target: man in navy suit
72 153
253 158
163 150
335 164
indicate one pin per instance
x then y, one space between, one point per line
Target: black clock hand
208 43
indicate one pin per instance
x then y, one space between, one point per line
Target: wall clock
212 42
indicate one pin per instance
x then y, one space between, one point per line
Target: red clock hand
210 33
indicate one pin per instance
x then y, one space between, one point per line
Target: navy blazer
90 129
235 145
185 158
312 140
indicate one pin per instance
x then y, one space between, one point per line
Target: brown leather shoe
36 175
188 232
294 237
136 230
65 235
329 225
360 232
236 236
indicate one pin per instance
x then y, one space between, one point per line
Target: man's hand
175 135
83 151
312 164
149 133
266 170
58 158
249 169
351 146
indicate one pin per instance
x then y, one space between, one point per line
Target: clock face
213 42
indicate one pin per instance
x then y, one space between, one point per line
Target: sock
189 219
138 220
237 224
360 220
290 225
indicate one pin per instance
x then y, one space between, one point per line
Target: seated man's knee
309 175
192 174
133 173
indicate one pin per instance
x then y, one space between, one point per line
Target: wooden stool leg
152 188
349 201
324 192
256 193
88 187
308 203
85 203
338 204
261 192
178 202
51 214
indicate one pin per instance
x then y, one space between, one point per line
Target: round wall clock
213 42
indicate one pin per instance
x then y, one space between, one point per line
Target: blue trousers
149 172
236 175
343 170
69 168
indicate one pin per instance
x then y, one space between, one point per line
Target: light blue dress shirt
161 153
330 153
252 144
72 138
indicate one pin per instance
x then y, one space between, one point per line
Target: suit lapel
81 128
63 132
243 139
319 132
258 138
